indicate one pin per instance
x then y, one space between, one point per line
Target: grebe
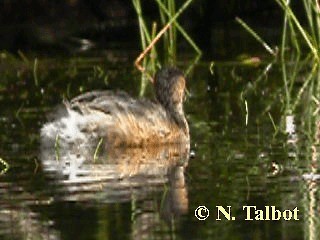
120 120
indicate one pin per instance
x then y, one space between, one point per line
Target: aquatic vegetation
299 64
6 167
37 79
257 37
168 16
296 35
292 27
96 152
170 11
35 72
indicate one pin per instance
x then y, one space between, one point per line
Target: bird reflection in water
124 175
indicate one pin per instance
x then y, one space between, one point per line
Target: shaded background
51 26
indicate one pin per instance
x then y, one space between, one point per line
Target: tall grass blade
35 72
305 85
158 36
180 29
144 34
256 36
311 43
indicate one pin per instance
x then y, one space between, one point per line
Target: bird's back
120 120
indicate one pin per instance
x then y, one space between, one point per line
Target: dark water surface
153 193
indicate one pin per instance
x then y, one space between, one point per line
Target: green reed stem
180 29
35 74
95 155
312 14
304 86
318 23
179 12
309 15
310 42
153 50
164 20
149 63
284 36
191 67
272 121
256 36
158 36
19 111
294 38
23 57
172 31
144 34
286 88
254 85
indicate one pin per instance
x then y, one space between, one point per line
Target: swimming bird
121 120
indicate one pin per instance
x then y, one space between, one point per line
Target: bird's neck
177 113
